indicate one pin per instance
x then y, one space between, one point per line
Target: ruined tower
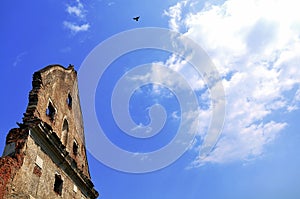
46 157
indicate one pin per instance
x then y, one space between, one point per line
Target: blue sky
255 46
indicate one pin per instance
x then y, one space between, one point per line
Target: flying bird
136 18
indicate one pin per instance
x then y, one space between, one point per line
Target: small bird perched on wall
136 18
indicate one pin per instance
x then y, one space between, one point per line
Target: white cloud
297 95
248 143
76 28
294 104
175 115
77 9
255 45
175 13
78 12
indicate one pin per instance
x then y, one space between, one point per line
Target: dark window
50 111
75 148
69 100
58 184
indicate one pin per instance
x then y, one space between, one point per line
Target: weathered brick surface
9 165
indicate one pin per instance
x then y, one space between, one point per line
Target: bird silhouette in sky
136 18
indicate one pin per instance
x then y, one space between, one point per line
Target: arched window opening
65 131
50 111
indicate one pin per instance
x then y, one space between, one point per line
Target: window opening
58 184
69 100
75 148
65 130
50 111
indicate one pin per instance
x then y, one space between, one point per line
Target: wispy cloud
78 23
19 58
65 49
257 51
76 28
111 3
